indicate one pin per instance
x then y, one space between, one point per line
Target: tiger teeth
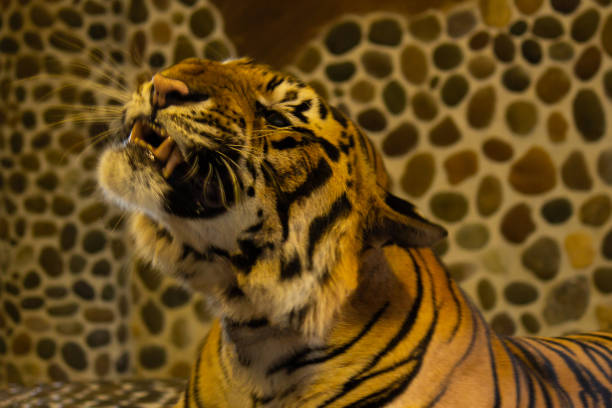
175 159
164 149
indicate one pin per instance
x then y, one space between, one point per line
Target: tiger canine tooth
164 149
136 133
175 159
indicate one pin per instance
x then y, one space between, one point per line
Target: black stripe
338 116
255 228
322 224
251 324
297 360
186 398
196 382
291 269
531 396
316 178
497 402
298 110
249 255
287 143
322 110
273 83
332 151
234 292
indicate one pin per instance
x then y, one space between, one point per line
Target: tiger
246 185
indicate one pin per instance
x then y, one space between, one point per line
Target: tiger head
247 185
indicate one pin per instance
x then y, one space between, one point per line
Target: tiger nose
163 86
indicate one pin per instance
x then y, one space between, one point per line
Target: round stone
481 107
503 324
62 205
585 25
589 115
565 6
418 175
596 210
503 47
83 289
557 211
552 85
588 63
606 246
394 97
413 64
202 311
152 357
547 27
401 140
102 365
445 133
342 37
74 355
543 258
460 23
35 204
575 174
153 317
362 91
148 276
516 79
385 31
454 89
449 206
175 296
606 35
567 301
521 117
138 11
77 264
65 41
202 22
481 66
604 166
424 106
579 248
497 150
425 28
495 13
93 212
461 271
41 16
372 120
530 323
460 166
376 63
479 40
602 277
22 344
486 294
561 51
45 348
607 83
533 173
31 280
528 6
489 196
51 261
517 224
532 51
472 236
94 241
447 56
557 127
518 28
341 71
520 293
99 315
309 60
183 49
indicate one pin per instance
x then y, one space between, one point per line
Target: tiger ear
396 219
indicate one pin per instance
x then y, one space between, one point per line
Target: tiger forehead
232 76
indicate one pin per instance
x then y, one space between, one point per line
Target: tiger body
249 187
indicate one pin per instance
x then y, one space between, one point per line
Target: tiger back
249 187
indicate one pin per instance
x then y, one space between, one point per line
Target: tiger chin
249 187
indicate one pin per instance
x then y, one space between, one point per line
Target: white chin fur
141 189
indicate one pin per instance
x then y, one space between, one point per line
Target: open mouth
159 144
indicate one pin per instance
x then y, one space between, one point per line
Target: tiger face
247 185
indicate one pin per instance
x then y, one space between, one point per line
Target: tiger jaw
166 152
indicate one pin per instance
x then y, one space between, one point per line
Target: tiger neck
400 291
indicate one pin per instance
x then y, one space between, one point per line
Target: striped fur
327 291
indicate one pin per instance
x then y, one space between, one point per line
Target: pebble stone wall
74 305
495 121
493 118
